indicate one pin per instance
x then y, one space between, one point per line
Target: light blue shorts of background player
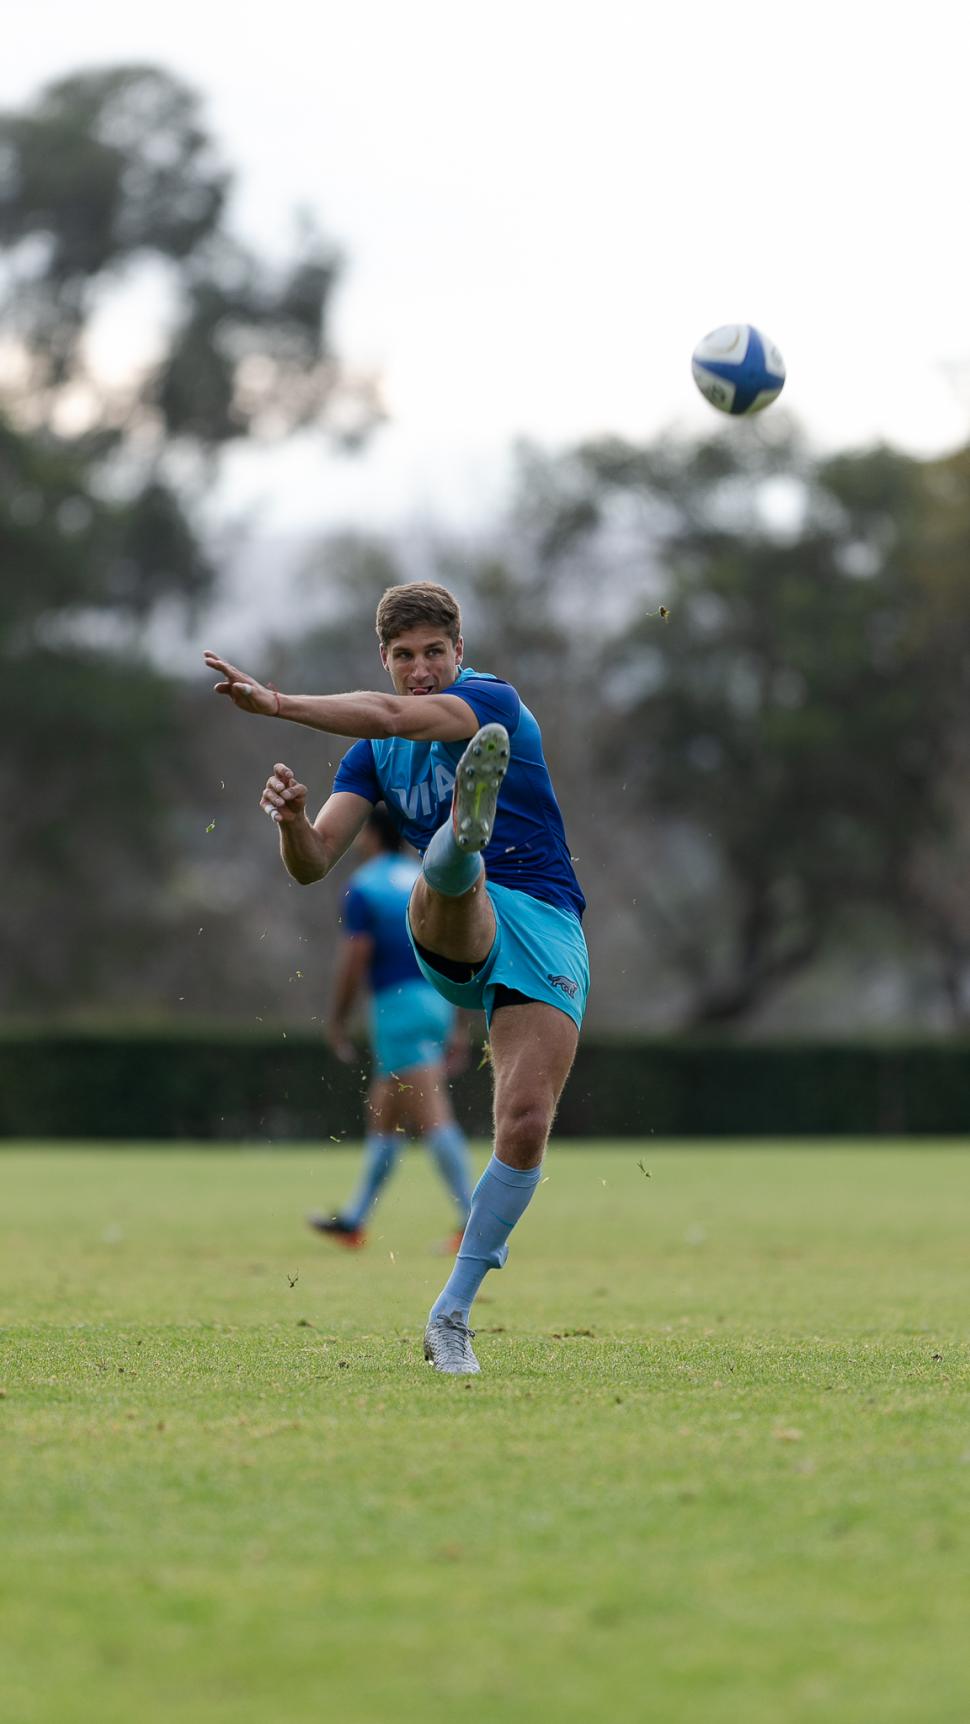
538 950
409 1025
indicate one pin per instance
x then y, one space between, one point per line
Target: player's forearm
366 714
344 995
306 855
356 953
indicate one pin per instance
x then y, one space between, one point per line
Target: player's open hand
243 690
284 798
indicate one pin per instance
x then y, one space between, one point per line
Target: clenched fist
284 798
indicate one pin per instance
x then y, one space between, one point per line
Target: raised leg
450 912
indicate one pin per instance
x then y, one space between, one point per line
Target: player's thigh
429 1104
533 1047
460 930
384 1105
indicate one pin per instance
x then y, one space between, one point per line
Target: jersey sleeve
491 701
357 773
358 916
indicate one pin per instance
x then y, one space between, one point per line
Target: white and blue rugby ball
737 369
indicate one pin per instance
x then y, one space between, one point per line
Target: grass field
716 1468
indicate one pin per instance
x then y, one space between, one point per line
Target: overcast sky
544 206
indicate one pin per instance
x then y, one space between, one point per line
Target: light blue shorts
409 1026
539 950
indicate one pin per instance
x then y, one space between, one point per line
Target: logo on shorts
565 984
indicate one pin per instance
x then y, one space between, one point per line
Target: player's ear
459 650
383 652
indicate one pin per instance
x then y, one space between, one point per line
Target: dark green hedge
266 1088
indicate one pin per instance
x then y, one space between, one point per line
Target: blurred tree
110 185
934 889
787 731
113 173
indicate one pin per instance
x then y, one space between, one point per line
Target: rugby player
414 1034
495 914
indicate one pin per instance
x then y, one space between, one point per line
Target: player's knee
522 1127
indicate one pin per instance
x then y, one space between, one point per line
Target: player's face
422 661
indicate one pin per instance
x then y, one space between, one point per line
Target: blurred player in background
415 1037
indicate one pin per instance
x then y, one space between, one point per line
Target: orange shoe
449 1247
340 1231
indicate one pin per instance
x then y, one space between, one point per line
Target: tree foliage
786 733
110 173
111 176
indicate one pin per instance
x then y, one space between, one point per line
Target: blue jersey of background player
413 1033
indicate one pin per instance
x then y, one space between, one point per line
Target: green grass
716 1468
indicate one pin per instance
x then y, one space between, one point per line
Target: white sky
545 205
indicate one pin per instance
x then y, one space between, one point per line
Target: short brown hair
406 607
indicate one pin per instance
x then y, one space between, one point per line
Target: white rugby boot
478 781
448 1345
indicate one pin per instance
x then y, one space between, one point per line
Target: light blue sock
380 1154
450 871
449 1146
500 1199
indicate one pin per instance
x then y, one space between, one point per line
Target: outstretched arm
309 850
366 714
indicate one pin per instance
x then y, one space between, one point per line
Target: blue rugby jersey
528 849
375 903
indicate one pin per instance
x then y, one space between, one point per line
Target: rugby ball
737 369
